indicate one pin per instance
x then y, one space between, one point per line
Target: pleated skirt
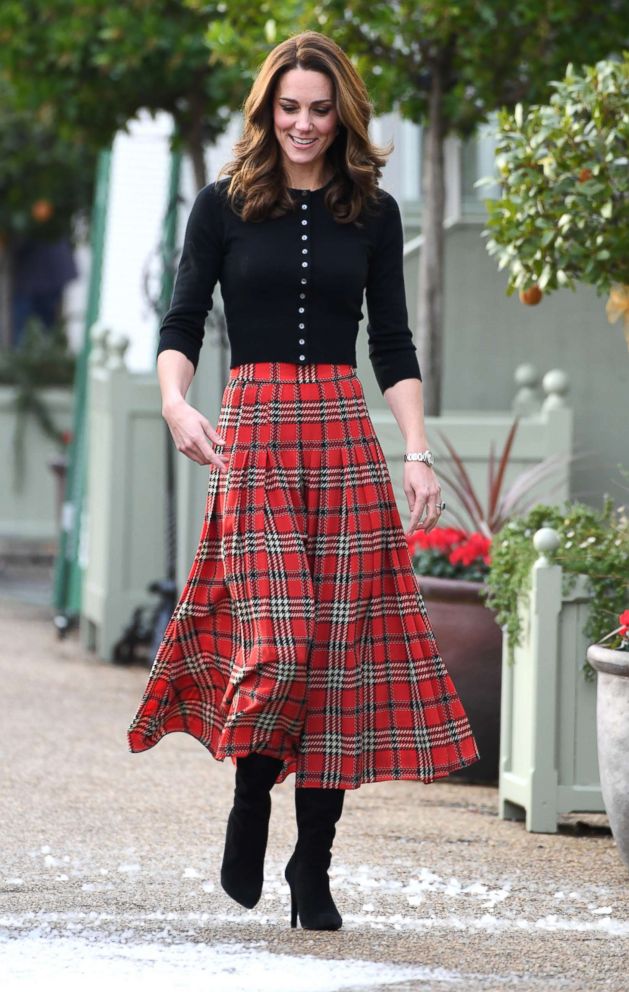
301 631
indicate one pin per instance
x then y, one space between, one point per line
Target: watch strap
418 456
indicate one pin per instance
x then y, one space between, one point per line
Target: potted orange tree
452 563
563 167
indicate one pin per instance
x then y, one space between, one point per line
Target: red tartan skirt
301 631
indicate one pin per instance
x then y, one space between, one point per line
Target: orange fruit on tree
42 210
531 296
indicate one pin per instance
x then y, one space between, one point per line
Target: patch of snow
490 923
190 873
52 921
40 959
431 883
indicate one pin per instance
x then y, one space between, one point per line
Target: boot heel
293 908
288 875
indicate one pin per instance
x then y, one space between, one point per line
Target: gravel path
114 857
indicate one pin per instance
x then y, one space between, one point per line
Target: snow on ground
174 949
40 960
420 900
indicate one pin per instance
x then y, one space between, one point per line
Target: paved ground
110 861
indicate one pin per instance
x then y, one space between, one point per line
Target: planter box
470 643
612 725
548 757
541 433
30 507
125 533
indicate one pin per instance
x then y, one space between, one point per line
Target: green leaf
518 115
545 276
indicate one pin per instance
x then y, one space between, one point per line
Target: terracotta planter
612 736
470 643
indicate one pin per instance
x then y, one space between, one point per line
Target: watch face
429 458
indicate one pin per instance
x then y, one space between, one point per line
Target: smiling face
305 121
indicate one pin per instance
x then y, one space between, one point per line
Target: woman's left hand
423 492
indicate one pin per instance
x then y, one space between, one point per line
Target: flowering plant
450 553
621 634
594 543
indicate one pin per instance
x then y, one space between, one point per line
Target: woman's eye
321 111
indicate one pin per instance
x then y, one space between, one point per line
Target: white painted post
545 605
528 774
559 421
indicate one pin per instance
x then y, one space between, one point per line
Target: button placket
301 309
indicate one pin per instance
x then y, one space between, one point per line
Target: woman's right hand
190 431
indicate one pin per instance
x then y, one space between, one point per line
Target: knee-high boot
242 869
318 811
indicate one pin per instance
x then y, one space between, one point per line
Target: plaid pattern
301 631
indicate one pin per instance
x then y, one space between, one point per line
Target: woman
301 641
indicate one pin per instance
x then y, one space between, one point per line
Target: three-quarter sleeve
392 352
183 326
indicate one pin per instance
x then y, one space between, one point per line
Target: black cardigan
293 286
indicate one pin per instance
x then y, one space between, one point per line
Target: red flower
457 549
476 546
439 539
623 620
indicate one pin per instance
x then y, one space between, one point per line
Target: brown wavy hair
258 188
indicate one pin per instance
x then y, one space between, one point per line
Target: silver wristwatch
420 456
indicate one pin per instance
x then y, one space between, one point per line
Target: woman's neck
310 180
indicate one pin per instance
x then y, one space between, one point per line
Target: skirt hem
138 743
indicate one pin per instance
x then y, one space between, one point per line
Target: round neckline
317 189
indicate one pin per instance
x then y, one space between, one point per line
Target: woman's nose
303 121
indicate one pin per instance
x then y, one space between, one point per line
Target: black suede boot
242 870
318 810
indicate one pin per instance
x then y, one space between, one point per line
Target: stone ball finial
99 333
526 375
118 344
527 399
556 384
546 540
